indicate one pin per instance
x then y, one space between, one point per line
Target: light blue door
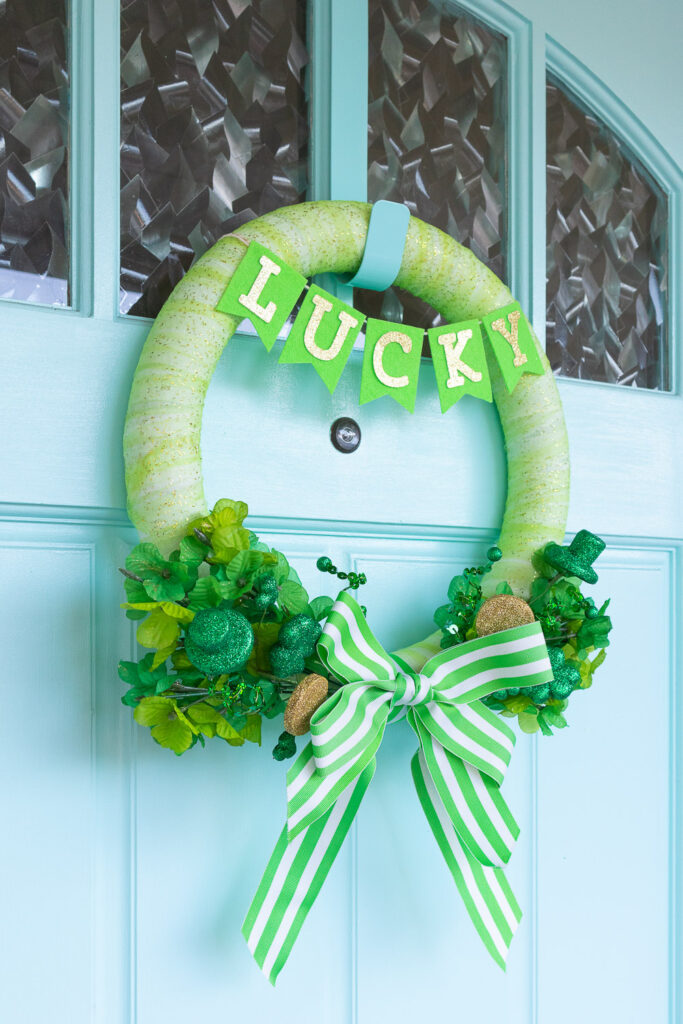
125 872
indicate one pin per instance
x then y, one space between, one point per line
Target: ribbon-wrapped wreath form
464 747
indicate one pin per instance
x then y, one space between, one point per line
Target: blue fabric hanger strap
384 246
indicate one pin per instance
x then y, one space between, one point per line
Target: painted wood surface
126 871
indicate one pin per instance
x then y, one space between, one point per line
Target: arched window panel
34 152
214 130
437 132
606 253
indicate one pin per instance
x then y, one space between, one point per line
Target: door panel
130 870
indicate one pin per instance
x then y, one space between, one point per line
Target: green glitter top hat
576 559
218 640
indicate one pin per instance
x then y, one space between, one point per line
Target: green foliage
574 629
218 564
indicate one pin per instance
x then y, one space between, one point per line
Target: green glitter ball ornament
494 554
576 559
566 675
324 563
286 661
301 633
266 591
218 641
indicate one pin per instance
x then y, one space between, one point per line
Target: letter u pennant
323 334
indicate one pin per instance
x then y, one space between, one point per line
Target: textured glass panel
214 130
34 138
606 255
437 132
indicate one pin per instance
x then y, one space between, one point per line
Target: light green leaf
528 723
251 732
293 597
155 710
321 607
158 630
239 509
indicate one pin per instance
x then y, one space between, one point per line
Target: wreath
232 634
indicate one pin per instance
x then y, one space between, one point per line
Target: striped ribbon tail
293 878
484 890
464 752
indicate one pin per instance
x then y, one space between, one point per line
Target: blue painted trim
522 113
348 100
384 246
591 92
105 145
80 155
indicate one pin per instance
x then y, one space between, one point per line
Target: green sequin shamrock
219 640
163 579
265 591
566 674
296 642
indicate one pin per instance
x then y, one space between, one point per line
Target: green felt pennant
513 344
459 362
391 362
323 334
263 289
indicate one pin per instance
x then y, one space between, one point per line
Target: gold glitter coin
502 611
307 697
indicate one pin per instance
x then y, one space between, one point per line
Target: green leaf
176 735
170 727
519 704
595 632
545 728
158 630
145 559
443 614
239 509
192 551
321 607
528 723
128 671
135 592
240 574
458 585
205 594
554 718
161 589
251 731
281 568
293 597
503 588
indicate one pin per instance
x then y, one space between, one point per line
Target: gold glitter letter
499 326
250 301
346 322
390 338
454 346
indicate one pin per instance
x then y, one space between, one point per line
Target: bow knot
412 690
464 750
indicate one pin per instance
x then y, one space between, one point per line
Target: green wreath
231 630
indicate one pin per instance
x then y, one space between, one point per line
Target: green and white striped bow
464 751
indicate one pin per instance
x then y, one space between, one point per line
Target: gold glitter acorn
502 611
309 694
